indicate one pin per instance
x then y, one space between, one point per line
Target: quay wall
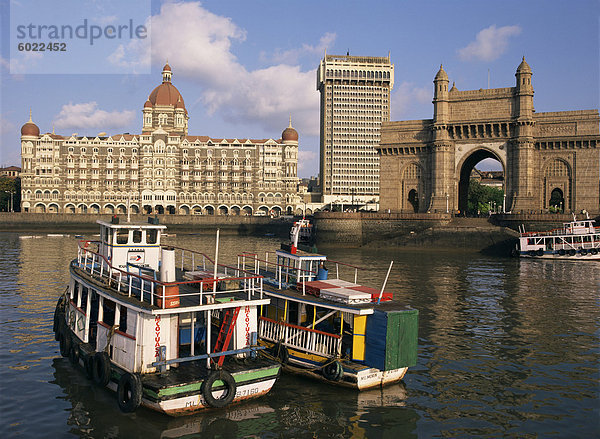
240 225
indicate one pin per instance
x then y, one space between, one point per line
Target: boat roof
131 225
300 254
354 308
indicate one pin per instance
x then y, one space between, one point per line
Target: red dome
289 134
167 67
30 129
147 104
165 94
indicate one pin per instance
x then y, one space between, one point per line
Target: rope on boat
109 337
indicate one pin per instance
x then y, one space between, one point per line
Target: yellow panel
358 338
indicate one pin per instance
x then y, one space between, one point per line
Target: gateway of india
162 170
425 165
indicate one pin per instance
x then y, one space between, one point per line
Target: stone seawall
433 231
240 225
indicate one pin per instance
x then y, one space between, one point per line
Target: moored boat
575 241
334 330
164 327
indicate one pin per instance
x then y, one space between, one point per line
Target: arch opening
557 201
481 184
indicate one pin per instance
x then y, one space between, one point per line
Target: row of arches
147 209
556 184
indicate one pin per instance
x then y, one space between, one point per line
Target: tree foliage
8 185
481 197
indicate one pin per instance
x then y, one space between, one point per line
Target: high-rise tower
355 100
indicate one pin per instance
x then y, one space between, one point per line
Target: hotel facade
163 170
354 102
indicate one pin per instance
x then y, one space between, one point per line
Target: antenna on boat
216 262
385 282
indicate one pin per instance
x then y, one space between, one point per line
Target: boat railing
284 273
158 293
308 340
281 273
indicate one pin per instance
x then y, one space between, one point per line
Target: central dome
165 94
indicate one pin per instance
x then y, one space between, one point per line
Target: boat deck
194 372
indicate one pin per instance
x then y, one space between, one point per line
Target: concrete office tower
355 100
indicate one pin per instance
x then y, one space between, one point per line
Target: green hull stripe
261 374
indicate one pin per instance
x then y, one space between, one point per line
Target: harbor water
507 348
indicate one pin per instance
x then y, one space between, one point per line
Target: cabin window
123 320
137 236
122 236
108 315
151 236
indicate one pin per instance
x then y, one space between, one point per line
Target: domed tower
440 97
289 138
165 108
524 90
30 129
442 154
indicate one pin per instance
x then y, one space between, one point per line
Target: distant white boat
576 240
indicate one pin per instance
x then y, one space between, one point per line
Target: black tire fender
333 371
101 368
583 252
562 252
594 251
129 392
572 252
230 388
540 252
64 341
74 354
280 353
88 364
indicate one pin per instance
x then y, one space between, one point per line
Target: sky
244 67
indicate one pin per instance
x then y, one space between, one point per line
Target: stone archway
557 200
413 199
465 175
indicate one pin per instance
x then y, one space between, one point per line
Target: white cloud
489 43
293 55
307 160
406 97
87 115
199 47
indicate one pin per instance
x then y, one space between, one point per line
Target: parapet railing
298 337
158 293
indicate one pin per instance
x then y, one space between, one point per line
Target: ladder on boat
226 331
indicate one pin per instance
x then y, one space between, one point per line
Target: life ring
540 252
583 252
593 251
230 388
129 392
280 353
64 341
101 369
333 371
572 252
562 252
74 354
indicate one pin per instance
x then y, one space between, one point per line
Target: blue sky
245 66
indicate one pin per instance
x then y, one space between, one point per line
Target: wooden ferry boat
164 327
332 329
576 240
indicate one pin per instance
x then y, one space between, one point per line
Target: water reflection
507 347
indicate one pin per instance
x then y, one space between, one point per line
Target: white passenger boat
140 319
332 329
576 240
